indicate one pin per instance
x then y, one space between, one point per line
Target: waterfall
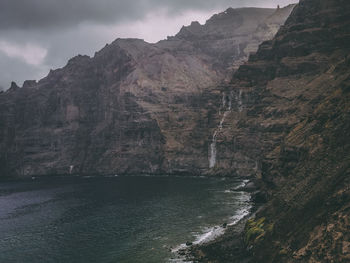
223 100
227 110
212 157
212 154
239 101
230 101
71 167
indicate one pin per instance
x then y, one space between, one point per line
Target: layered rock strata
134 107
292 133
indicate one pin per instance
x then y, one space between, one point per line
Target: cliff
134 107
284 120
289 127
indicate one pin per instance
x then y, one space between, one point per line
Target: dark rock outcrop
231 36
29 83
13 87
134 107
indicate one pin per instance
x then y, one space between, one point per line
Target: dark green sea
113 219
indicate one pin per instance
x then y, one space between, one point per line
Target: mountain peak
29 83
195 24
13 86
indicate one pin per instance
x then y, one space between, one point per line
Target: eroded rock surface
134 107
292 132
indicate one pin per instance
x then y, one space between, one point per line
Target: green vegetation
283 252
255 230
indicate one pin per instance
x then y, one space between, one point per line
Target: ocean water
113 219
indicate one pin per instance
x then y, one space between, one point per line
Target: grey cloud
70 27
15 69
63 13
59 13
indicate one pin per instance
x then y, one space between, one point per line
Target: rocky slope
290 128
134 107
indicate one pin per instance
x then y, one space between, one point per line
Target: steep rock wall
134 107
292 134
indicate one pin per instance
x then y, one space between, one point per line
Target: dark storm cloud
60 13
38 35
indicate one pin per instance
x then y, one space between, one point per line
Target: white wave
178 248
242 184
212 233
209 235
179 260
240 214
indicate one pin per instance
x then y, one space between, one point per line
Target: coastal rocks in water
229 247
250 186
259 197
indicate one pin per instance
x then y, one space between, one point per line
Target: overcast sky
39 35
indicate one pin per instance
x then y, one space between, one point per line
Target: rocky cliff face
289 125
134 107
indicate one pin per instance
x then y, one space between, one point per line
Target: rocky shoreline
230 246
